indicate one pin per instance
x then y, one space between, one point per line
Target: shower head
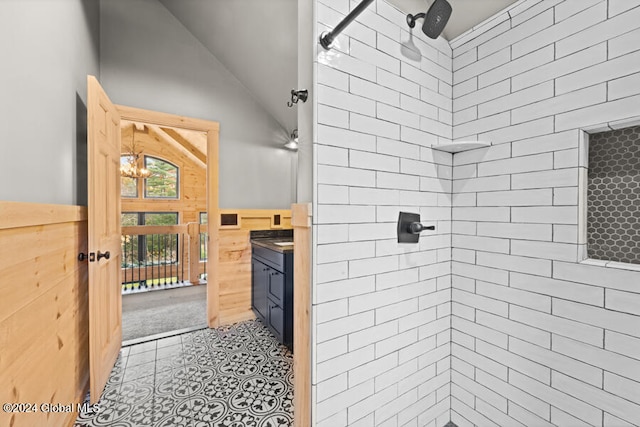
435 19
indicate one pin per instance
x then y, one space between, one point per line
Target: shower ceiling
466 13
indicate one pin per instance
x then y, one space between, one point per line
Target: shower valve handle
416 227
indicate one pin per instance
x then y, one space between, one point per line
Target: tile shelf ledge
460 146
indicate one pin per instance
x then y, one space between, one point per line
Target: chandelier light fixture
130 168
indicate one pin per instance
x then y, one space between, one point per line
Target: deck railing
163 256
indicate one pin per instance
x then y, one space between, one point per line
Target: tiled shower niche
613 196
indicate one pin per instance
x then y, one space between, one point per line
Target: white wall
381 336
149 60
539 339
48 48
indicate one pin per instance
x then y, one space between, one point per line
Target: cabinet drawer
276 319
276 286
273 258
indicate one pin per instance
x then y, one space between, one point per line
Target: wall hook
298 95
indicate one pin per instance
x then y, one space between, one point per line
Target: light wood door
105 301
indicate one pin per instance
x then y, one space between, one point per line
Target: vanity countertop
277 244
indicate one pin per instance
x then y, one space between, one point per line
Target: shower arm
326 38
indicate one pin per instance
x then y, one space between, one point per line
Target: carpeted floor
150 313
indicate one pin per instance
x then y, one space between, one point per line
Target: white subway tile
411 103
365 267
526 417
611 421
434 98
397 83
622 387
330 349
516 99
514 296
626 302
345 176
396 311
373 56
506 327
531 163
378 23
333 116
520 131
331 387
397 148
397 181
545 214
418 76
465 59
611 320
395 406
331 310
623 87
333 233
545 179
343 326
479 361
480 302
373 196
396 342
341 214
521 264
368 89
561 103
559 289
344 251
623 44
361 232
482 96
614 278
341 401
567 9
435 127
345 138
415 136
348 65
608 29
557 325
560 67
483 65
557 361
597 397
567 196
331 77
502 151
396 278
466 115
473 185
461 89
561 418
463 255
561 31
372 369
546 250
372 335
516 198
600 113
565 402
479 272
367 160
480 243
464 199
482 125
366 124
515 231
609 70
328 155
463 311
339 99
396 115
546 143
368 405
417 167
517 66
518 32
333 194
341 289
332 272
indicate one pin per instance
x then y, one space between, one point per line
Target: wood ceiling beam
165 137
186 144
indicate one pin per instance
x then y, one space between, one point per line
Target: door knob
106 255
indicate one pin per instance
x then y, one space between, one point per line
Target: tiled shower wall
381 311
539 339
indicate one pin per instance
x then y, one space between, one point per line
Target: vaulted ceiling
256 40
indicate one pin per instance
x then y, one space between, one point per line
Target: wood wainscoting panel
44 322
234 259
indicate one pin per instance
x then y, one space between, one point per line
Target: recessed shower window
613 196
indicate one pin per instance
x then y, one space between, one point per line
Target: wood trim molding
165 119
23 214
301 222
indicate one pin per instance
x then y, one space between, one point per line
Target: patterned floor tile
232 376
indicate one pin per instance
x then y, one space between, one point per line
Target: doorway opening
164 213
